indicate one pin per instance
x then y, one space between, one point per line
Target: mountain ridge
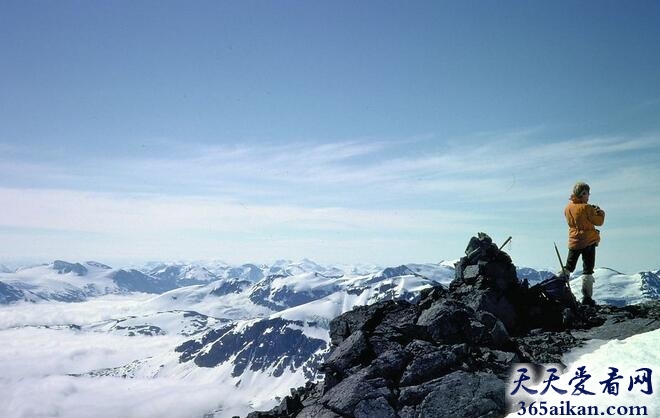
299 315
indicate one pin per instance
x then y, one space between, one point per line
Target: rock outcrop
63 267
450 353
9 294
135 281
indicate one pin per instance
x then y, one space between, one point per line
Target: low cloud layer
37 364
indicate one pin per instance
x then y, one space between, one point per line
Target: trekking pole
505 243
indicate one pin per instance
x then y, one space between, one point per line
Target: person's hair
580 189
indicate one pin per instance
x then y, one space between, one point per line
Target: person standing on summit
583 237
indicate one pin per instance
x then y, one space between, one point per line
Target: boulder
345 397
353 352
430 361
463 394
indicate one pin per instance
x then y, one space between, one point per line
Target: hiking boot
587 286
588 301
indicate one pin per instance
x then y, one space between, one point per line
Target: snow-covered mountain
227 298
294 337
174 322
614 288
238 327
533 276
272 346
182 274
186 274
75 282
9 294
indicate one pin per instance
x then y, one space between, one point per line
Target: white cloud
108 213
56 396
82 225
56 313
225 199
37 362
353 170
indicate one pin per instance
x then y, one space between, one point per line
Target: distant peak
98 265
401 270
64 267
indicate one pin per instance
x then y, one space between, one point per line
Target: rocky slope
450 354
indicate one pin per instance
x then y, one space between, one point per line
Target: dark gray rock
496 334
496 362
407 412
621 323
435 361
297 405
389 365
313 411
414 395
430 295
345 396
374 408
353 352
483 295
447 321
470 273
544 347
360 318
462 394
396 326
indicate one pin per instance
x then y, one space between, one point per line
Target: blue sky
376 132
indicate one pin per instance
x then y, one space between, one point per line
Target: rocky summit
450 354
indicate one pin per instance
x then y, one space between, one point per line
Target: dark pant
588 259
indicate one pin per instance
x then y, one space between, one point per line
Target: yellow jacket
582 219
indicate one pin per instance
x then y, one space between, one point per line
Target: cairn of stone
486 280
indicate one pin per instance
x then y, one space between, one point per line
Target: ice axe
561 263
505 243
564 275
